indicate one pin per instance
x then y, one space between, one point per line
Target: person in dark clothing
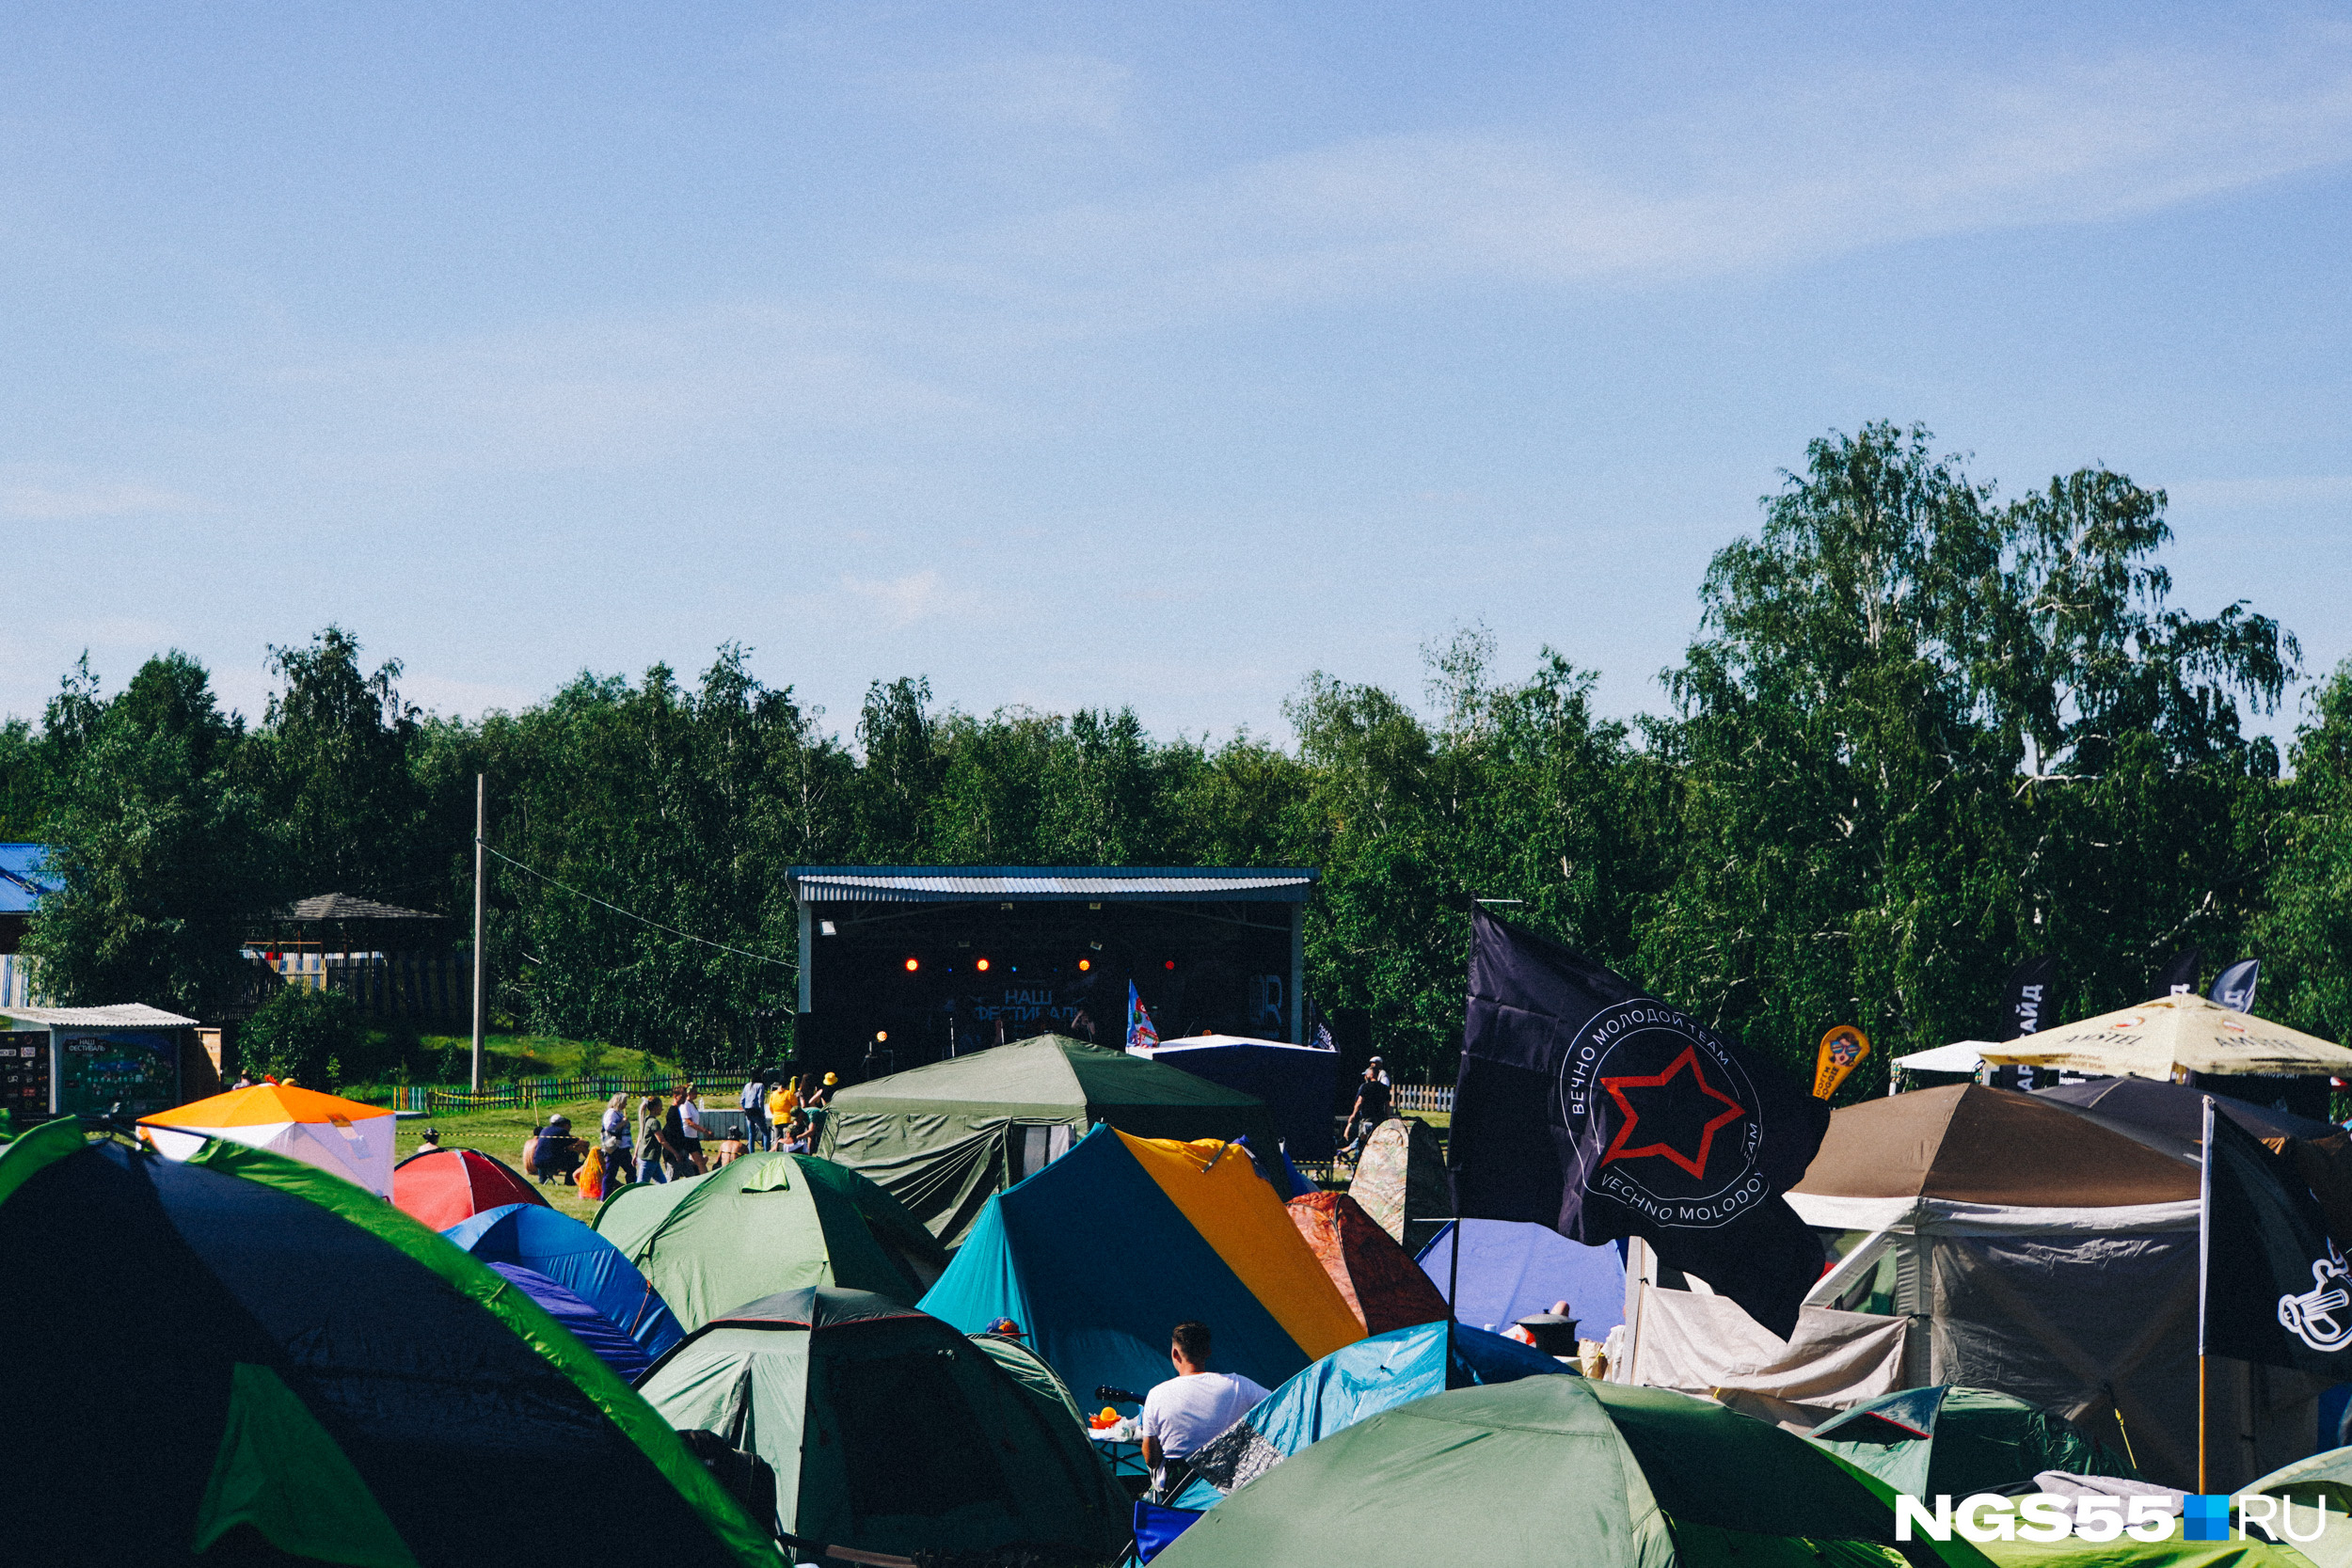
681 1151
1371 1109
554 1152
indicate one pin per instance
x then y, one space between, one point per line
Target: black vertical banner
2179 975
1587 1106
2028 1004
2275 1289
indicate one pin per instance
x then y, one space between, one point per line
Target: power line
739 952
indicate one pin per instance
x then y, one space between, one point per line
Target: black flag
2274 1288
2026 998
1589 1107
2179 975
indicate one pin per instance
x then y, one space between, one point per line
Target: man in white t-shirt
1184 1413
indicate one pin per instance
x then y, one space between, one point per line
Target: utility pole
481 801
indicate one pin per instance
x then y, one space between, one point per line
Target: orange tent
1383 1287
353 1141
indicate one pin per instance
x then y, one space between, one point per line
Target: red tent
1384 1288
445 1185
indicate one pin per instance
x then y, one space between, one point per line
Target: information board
25 1075
139 1068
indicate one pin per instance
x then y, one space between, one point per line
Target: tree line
1923 730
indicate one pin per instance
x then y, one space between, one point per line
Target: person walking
754 1103
649 1141
614 1143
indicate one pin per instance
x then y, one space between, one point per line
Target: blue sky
1079 355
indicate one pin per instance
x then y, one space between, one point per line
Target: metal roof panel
949 884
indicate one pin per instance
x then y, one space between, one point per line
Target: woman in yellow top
782 1102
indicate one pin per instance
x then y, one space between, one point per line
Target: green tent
889 1432
1556 1469
1028 1368
1954 1441
943 1138
767 1223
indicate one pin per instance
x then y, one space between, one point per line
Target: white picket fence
1422 1097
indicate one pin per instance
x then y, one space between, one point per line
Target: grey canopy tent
943 1138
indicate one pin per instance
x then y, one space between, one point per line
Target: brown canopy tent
2000 1241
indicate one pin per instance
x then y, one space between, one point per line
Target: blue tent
1348 1385
575 1258
1299 1083
1510 1270
591 1327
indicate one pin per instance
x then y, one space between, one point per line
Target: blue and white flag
1140 1030
2234 988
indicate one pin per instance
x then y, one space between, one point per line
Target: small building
920 963
83 1061
21 885
393 962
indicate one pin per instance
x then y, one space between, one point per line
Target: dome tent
442 1186
889 1432
943 1138
304 1363
591 1328
767 1223
353 1141
1381 1283
568 1252
1954 1441
1552 1469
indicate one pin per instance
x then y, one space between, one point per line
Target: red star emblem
1732 1112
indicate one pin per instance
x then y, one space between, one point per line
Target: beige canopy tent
2170 1036
1998 1241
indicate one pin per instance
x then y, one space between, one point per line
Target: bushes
312 1037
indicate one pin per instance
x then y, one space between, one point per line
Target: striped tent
353 1141
1098 1255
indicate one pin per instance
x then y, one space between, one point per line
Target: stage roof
1050 884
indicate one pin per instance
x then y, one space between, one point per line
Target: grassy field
500 1132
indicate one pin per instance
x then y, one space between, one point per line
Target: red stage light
982 965
1171 964
912 965
1085 964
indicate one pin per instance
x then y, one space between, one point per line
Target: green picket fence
430 1099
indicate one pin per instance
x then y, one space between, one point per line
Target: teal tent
943 1138
889 1432
766 1222
1954 1441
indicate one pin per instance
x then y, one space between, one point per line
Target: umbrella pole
2202 1482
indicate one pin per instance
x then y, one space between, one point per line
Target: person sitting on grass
796 1135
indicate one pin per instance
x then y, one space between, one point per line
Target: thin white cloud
1763 183
2292 490
1054 92
82 501
917 596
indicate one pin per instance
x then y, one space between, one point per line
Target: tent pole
2203 1483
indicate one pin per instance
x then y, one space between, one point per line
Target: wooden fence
429 1099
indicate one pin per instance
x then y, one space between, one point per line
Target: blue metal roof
1051 884
21 882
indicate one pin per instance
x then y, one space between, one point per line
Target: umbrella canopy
591 1327
353 1141
589 1265
1553 1469
943 1138
767 1223
298 1365
442 1186
1382 1286
890 1432
2173 1034
1975 1144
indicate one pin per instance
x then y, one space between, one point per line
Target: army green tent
1556 1469
767 1223
889 1432
1953 1442
943 1138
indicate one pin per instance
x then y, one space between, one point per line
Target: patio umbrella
2173 1035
